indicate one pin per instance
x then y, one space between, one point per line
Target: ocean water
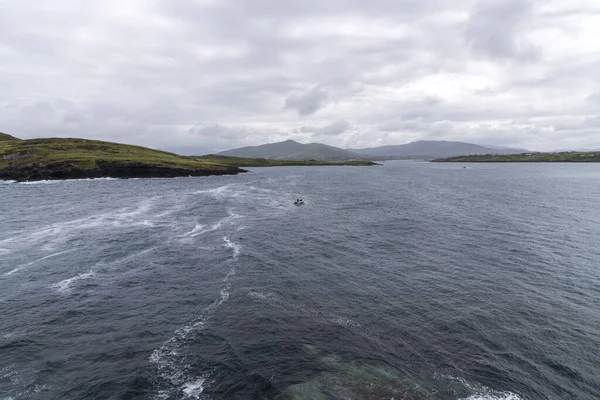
410 280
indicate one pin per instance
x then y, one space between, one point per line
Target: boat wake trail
175 378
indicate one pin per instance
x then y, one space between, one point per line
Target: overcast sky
207 75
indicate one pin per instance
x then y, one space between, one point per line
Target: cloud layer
207 75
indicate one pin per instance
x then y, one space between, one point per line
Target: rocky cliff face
105 169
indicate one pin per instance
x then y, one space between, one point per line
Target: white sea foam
172 369
200 229
197 228
193 389
53 181
479 392
217 192
501 396
235 247
344 321
51 235
64 286
264 296
48 182
22 266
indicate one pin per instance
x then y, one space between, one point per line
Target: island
566 156
75 158
72 158
268 162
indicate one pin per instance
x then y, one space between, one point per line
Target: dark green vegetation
6 136
66 158
264 162
567 156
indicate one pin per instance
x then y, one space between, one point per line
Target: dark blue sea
410 280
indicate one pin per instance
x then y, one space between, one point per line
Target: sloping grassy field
85 153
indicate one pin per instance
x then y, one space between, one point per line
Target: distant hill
269 162
432 149
6 136
567 156
292 150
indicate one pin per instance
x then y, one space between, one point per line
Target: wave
64 286
53 181
61 232
22 383
200 229
323 315
194 389
22 266
236 190
217 192
476 391
172 369
235 247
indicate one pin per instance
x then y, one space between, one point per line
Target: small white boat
299 202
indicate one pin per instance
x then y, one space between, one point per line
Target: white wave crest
200 229
479 392
22 266
64 286
53 234
502 396
53 181
216 192
193 389
264 296
235 247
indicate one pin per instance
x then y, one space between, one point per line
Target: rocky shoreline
105 169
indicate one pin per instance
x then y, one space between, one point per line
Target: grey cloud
594 99
494 29
333 129
336 128
399 70
309 102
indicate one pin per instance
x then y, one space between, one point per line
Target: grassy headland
6 136
266 162
567 156
67 158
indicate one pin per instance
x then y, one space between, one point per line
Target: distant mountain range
422 149
291 150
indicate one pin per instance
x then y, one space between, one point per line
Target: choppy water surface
406 281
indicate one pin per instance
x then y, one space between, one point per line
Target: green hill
292 150
67 158
265 162
6 136
566 156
